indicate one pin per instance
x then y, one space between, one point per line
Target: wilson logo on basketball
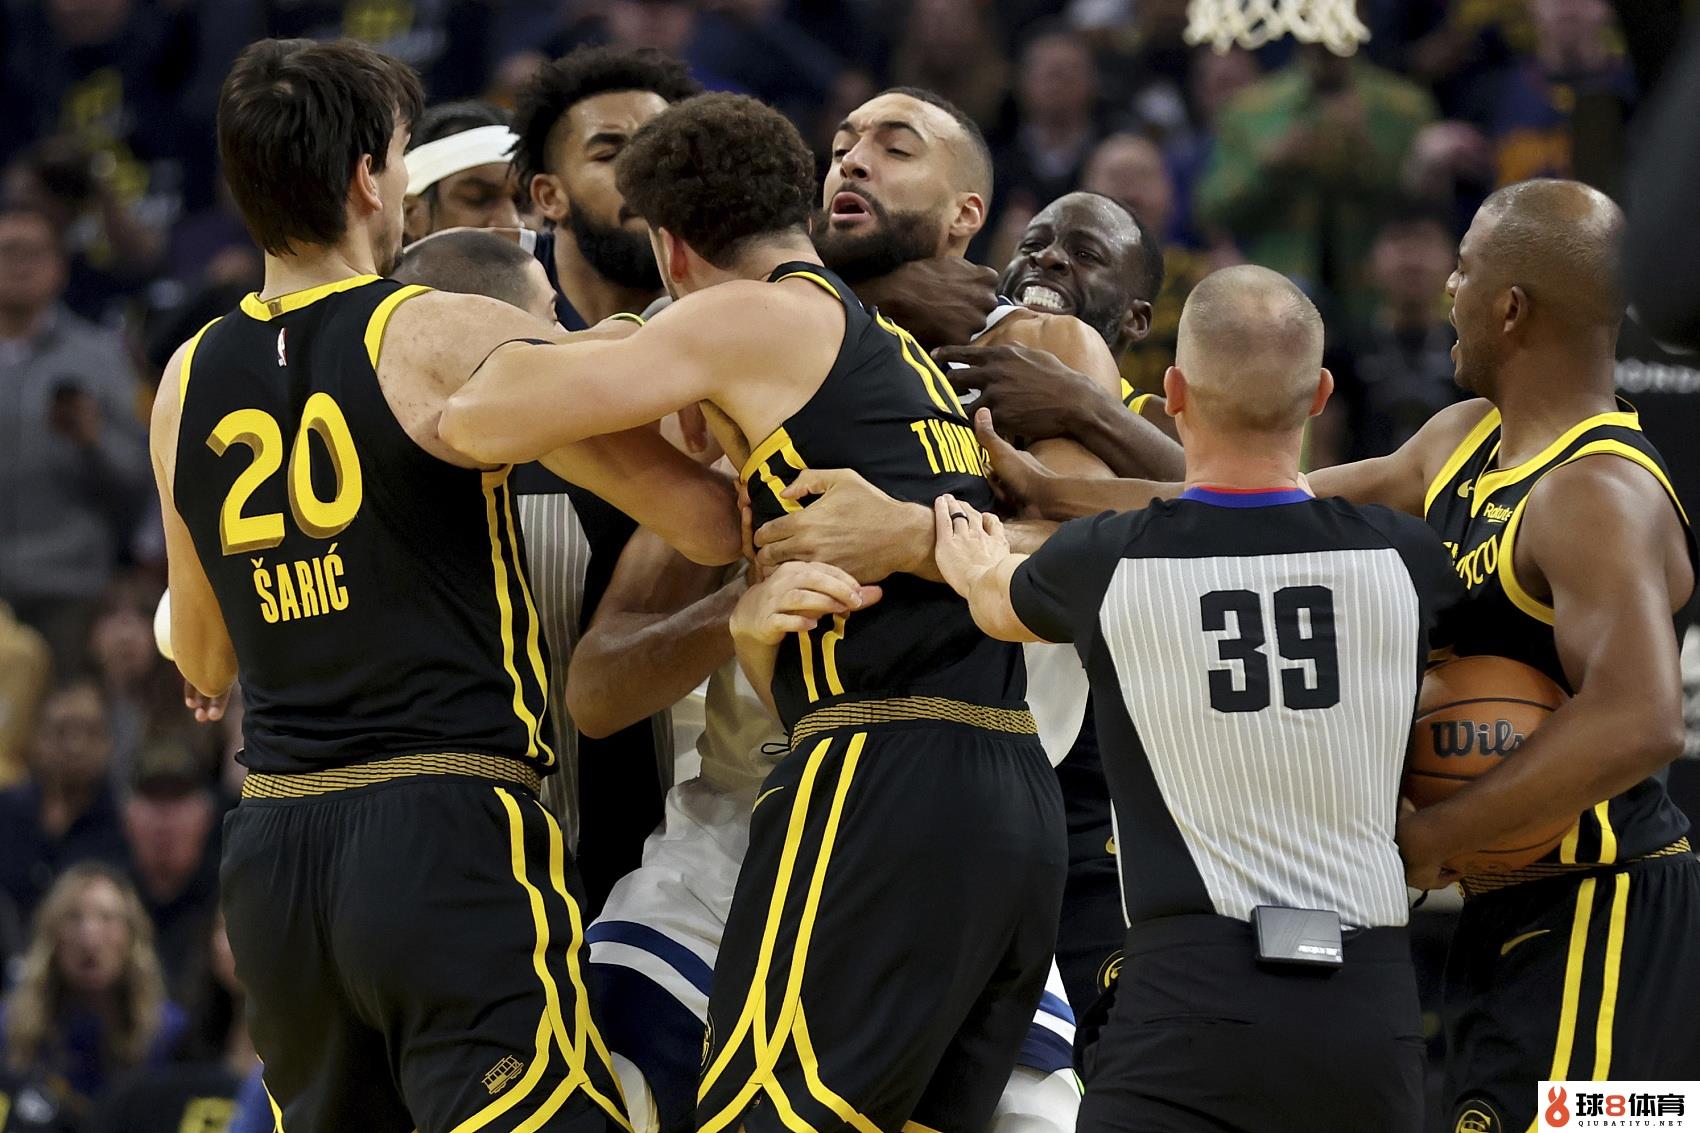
1467 737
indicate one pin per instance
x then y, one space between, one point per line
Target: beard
1104 314
899 238
622 258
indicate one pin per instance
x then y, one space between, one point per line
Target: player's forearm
1060 498
1585 753
910 540
1127 443
631 666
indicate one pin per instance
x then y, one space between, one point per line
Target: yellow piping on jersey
1608 991
381 318
829 654
504 603
812 278
626 317
846 1112
277 1113
1521 598
188 357
1608 836
1140 401
266 310
1490 482
1465 450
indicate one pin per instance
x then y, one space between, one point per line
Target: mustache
857 191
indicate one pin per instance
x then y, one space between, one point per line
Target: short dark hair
584 73
982 153
718 171
447 119
294 119
469 261
1151 264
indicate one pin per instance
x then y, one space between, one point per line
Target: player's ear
675 256
550 197
970 216
1324 390
363 189
1514 308
1136 324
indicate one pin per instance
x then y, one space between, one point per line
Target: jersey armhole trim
1507 572
1466 449
188 357
627 317
1138 402
381 319
812 278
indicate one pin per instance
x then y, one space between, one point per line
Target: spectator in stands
139 688
1130 169
90 1002
484 195
954 49
1393 371
171 824
1039 158
1531 108
74 472
1306 162
1216 78
66 813
25 665
197 1092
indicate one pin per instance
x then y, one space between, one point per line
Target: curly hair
584 73
36 1007
718 171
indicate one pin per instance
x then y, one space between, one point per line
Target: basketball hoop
1253 23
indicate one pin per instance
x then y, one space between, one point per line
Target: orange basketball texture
1473 713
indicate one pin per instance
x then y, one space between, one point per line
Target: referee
1255 655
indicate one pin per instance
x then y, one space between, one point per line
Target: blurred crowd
1352 176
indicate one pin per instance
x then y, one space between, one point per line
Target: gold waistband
306 784
1477 884
864 713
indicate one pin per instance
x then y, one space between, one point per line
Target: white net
1253 23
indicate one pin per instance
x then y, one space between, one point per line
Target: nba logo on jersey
282 357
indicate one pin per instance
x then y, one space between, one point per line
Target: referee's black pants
1204 1039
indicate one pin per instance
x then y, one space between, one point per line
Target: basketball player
471 261
727 187
1087 256
1255 655
573 118
1577 558
372 598
458 173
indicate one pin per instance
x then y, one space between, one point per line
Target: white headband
457 153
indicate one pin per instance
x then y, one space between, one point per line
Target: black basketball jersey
376 595
1255 659
887 412
1476 507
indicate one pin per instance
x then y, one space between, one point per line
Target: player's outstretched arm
528 399
1400 480
792 599
1601 537
660 629
200 640
975 560
1035 395
1022 480
692 508
838 524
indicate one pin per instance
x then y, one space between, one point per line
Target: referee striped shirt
1255 660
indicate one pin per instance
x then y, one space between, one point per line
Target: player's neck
288 274
1239 461
590 292
1538 405
760 261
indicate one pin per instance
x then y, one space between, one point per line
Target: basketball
1473 713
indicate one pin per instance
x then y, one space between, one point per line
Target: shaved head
1560 241
1250 349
